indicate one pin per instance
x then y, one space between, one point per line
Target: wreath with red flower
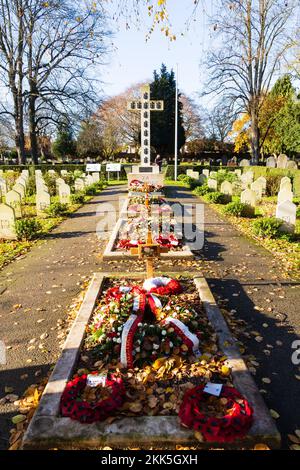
80 410
233 425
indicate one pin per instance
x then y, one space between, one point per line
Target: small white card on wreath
213 389
95 380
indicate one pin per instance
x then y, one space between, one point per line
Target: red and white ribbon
127 340
185 334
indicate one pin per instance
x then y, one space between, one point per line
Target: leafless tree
219 120
48 54
12 45
64 42
192 118
253 38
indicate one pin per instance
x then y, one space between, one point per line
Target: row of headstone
43 199
282 162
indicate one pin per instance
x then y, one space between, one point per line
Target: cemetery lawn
10 250
288 251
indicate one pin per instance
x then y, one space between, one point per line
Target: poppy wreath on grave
121 327
141 186
235 414
72 406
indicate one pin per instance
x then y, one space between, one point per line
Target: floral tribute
146 339
89 404
142 187
218 419
134 232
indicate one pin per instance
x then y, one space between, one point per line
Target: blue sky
134 59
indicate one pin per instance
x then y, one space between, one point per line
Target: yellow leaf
261 447
225 370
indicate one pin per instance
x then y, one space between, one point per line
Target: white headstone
195 175
286 185
89 180
226 188
285 195
282 161
43 202
13 199
205 173
245 162
250 176
286 211
263 183
20 189
3 186
248 197
238 172
64 192
271 162
38 172
52 172
7 222
212 184
190 173
79 184
292 165
96 176
257 188
63 172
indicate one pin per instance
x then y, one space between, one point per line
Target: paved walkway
43 283
248 278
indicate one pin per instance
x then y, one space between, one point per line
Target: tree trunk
255 138
32 130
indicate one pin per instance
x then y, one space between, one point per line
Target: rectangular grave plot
48 429
111 253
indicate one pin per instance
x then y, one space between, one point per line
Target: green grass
9 250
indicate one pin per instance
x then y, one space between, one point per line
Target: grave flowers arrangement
142 187
137 325
90 404
134 232
218 419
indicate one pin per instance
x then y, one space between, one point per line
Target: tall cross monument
145 105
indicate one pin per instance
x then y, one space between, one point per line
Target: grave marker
79 184
292 165
64 192
248 196
271 162
226 188
20 189
13 199
43 202
285 195
286 211
257 188
282 161
7 222
212 184
245 162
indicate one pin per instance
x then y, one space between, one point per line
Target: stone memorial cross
145 105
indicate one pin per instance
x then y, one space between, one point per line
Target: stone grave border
110 254
47 429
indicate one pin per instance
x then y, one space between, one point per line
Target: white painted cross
145 105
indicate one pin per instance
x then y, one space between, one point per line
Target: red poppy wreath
81 410
234 424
